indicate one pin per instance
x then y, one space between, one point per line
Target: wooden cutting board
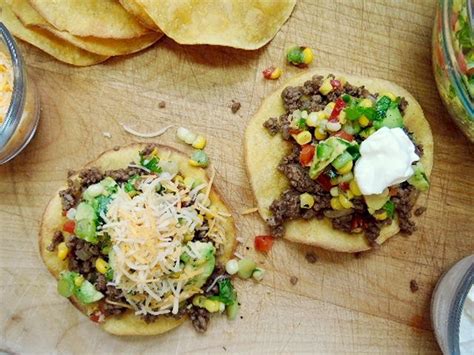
341 303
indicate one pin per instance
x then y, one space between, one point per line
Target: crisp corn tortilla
103 19
264 152
248 24
103 46
128 323
54 46
137 10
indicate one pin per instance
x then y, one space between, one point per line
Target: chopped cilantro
389 207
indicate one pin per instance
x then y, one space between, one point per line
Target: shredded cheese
249 211
148 233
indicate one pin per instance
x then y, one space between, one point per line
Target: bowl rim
17 102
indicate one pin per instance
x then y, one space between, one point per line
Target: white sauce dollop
466 326
386 159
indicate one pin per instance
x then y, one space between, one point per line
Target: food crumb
419 211
235 106
107 135
161 104
116 148
293 280
311 257
225 349
241 317
414 286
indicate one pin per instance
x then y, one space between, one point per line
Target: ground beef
404 202
419 150
58 237
343 223
285 208
149 148
101 283
219 271
311 257
69 198
403 106
299 178
356 91
199 317
115 295
82 256
90 176
272 125
235 106
291 96
419 211
122 175
414 286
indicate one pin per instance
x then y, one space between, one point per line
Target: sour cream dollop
386 159
466 326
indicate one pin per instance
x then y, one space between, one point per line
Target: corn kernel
390 95
344 201
320 134
322 115
381 216
312 120
179 179
188 237
349 194
342 117
276 73
198 301
329 107
306 200
303 138
354 188
101 265
78 280
63 250
193 162
346 168
364 121
308 55
336 204
188 182
366 103
326 87
342 80
185 135
199 142
304 114
334 191
201 220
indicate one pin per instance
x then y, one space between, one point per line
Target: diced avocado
86 229
367 132
66 283
246 268
324 151
101 205
419 179
205 264
392 119
85 211
87 293
342 160
337 147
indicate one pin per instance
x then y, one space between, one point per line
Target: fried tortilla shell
248 24
104 18
137 10
52 221
102 46
264 152
46 41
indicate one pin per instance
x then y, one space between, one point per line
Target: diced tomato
357 224
336 84
97 317
338 107
294 130
324 181
344 186
267 73
344 135
69 226
263 243
307 154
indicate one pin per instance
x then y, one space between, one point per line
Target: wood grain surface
340 304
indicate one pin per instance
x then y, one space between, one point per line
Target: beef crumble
58 238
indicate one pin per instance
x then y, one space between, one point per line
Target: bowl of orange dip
19 103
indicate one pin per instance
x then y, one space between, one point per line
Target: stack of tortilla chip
87 32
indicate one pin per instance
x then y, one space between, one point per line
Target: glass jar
21 119
453 61
448 301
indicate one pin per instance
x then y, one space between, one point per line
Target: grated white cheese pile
148 234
